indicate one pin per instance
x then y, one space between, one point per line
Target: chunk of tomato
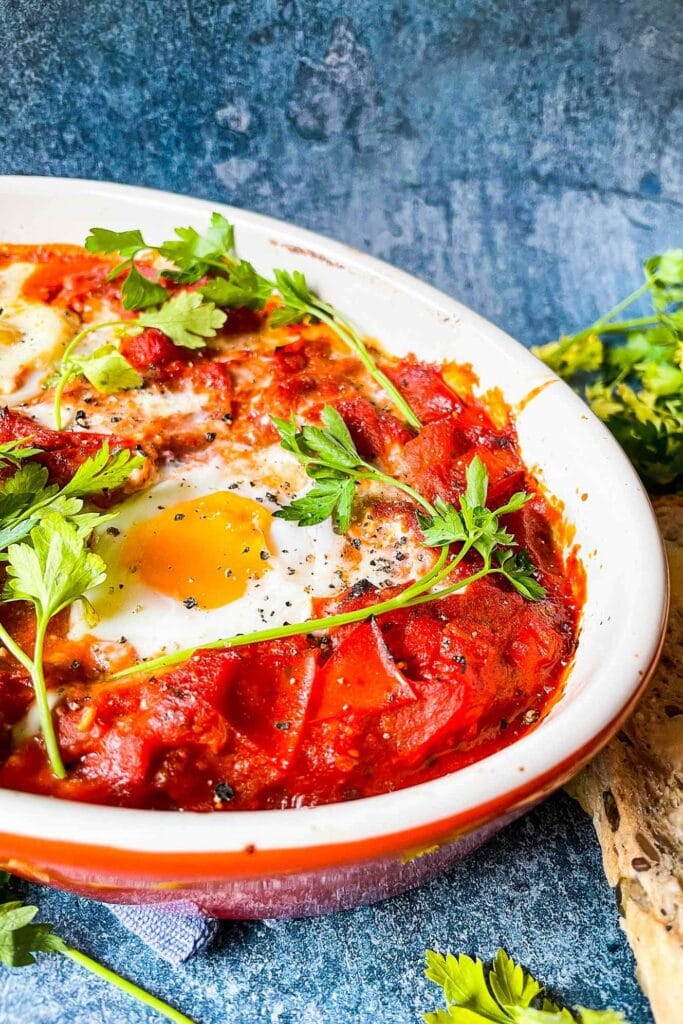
154 355
269 696
430 457
425 389
360 675
372 430
64 450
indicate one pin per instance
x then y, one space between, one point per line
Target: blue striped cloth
175 935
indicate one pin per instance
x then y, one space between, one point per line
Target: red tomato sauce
363 709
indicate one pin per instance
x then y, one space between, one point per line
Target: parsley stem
14 649
376 474
438 572
621 327
424 598
35 670
126 986
350 336
599 328
621 305
65 375
44 710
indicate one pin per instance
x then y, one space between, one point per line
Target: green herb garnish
186 318
232 282
300 303
13 453
504 994
635 384
21 938
44 534
331 459
137 291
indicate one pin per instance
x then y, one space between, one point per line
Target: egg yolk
204 551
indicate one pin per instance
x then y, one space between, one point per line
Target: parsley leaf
54 570
634 383
139 292
330 458
446 527
21 938
12 453
330 498
478 527
103 472
243 288
126 243
582 356
107 370
519 570
299 301
196 254
43 541
502 994
50 571
185 319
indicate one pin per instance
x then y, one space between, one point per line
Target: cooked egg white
32 334
199 556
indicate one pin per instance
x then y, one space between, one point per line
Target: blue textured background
523 157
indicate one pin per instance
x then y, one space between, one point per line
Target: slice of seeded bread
634 793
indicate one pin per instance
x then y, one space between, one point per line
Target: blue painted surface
523 157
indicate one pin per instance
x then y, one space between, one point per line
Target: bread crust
634 793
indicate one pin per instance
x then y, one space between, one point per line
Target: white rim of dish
554 742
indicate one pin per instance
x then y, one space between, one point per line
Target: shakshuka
195 552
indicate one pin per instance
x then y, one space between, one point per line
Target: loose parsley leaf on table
21 938
503 994
635 383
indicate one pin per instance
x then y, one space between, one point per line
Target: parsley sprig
13 453
21 937
194 255
27 495
331 459
232 282
503 994
300 303
186 318
631 372
44 534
